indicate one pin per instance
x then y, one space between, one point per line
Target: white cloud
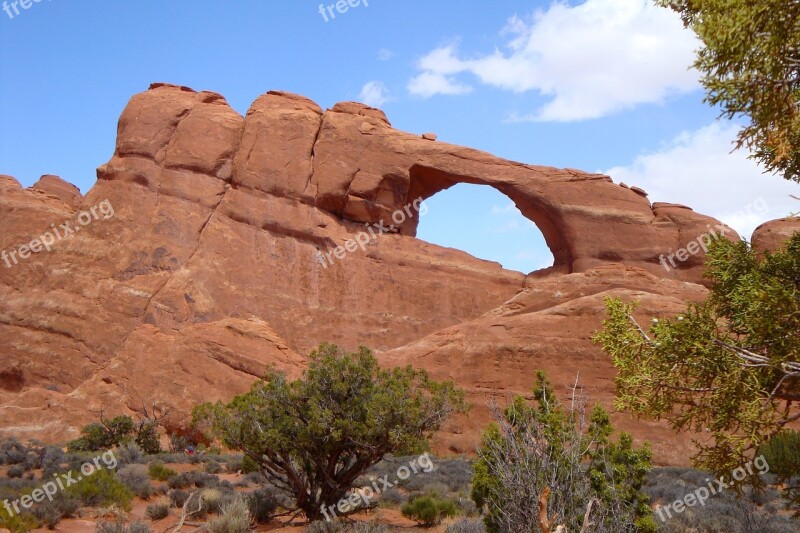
432 83
384 54
374 93
699 170
592 59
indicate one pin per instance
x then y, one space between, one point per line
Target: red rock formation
209 268
770 236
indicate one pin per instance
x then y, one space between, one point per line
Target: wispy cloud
374 93
592 59
699 169
384 54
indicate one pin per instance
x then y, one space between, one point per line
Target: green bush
102 436
19 523
235 518
102 489
158 511
782 454
147 438
249 466
159 472
429 510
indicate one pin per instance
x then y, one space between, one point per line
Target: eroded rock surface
207 265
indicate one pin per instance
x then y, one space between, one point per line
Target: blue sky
601 85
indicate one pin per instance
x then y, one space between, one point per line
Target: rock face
214 245
771 235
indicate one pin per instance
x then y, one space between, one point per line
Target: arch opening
482 221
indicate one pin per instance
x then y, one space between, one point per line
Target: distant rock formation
213 266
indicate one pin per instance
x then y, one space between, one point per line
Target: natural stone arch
426 181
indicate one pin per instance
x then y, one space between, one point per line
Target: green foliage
18 523
116 432
101 489
103 436
545 447
782 454
750 61
159 472
429 510
313 437
147 438
729 366
249 465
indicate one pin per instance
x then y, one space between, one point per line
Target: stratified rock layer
199 258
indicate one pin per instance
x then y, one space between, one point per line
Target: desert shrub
393 497
369 527
255 478
233 463
158 511
137 479
429 510
122 527
212 500
235 518
198 479
147 438
50 513
213 467
782 454
178 443
18 523
249 466
52 458
556 455
103 435
16 471
466 525
13 452
159 472
336 402
101 489
178 497
262 504
129 454
345 527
